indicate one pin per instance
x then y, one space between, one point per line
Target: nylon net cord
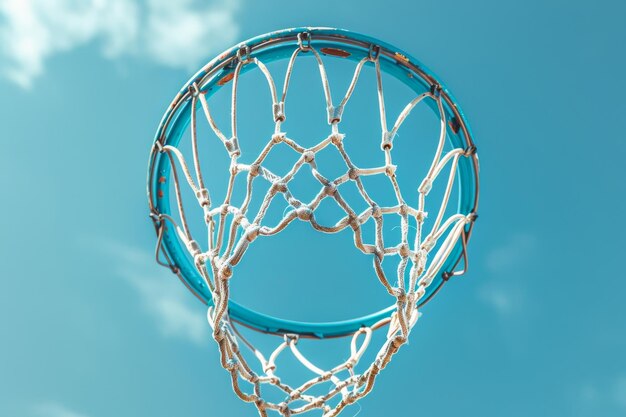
226 248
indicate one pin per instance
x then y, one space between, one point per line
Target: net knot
326 376
377 213
308 156
254 170
387 141
337 139
200 259
304 212
400 294
350 398
398 341
278 187
240 218
354 223
334 114
278 137
351 363
231 364
403 250
234 168
225 271
419 260
253 397
283 408
279 111
353 173
203 197
218 335
390 170
330 189
232 146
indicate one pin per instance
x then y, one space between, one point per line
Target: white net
232 228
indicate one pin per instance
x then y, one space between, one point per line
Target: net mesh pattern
233 228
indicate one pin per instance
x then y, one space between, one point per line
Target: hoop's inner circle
331 44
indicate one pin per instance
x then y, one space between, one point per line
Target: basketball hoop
425 262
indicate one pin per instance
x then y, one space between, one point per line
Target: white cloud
55 410
172 33
504 300
505 291
512 254
175 312
178 35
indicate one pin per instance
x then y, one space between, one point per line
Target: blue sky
91 327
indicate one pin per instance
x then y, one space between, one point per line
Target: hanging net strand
232 228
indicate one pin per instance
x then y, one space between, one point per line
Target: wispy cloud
179 35
175 312
504 299
608 394
504 291
55 410
172 33
513 253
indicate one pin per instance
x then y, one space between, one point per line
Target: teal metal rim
275 46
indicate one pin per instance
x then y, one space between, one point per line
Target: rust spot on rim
162 180
226 78
401 57
160 193
335 52
454 125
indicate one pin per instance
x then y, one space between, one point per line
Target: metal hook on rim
373 53
465 234
302 38
435 90
159 226
194 90
243 54
159 146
